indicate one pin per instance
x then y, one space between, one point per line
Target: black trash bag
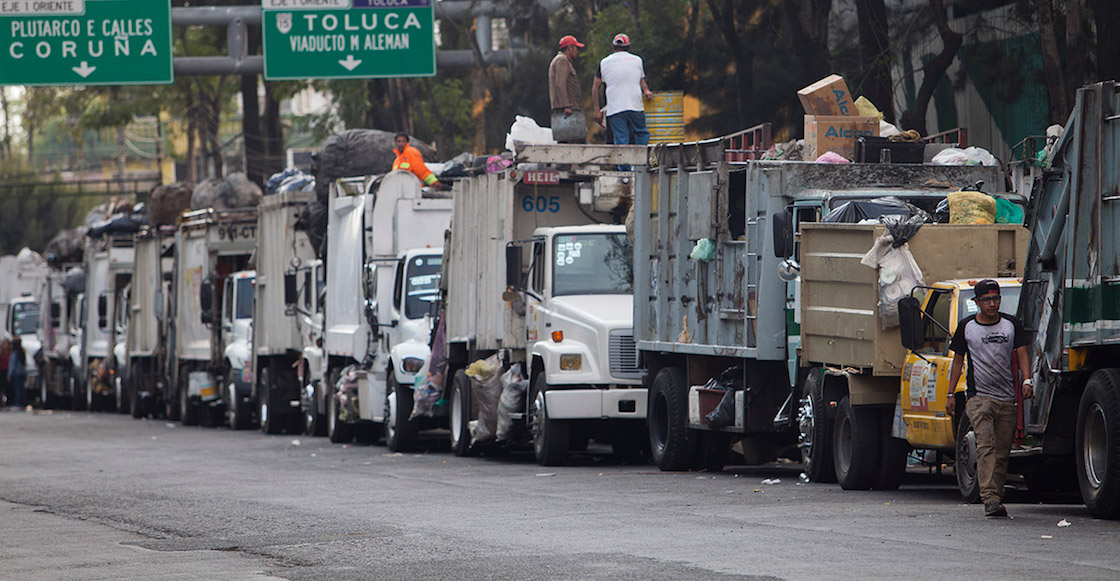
234 191
75 281
903 229
730 381
357 152
941 214
67 247
117 224
856 211
313 220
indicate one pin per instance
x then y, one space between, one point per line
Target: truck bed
839 318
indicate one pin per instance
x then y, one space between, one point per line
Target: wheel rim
659 422
231 408
806 422
456 417
844 445
536 425
966 460
1095 446
391 421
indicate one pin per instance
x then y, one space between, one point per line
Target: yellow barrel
665 117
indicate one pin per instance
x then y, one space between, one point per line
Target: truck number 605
541 203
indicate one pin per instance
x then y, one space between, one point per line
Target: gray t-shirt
990 350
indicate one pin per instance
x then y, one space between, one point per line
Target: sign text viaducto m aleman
348 39
85 42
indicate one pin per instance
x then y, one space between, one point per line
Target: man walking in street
563 85
624 76
990 339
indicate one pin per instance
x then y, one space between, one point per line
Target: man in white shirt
625 78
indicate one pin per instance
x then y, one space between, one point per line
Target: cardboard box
837 133
828 96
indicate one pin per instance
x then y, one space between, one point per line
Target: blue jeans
20 393
629 128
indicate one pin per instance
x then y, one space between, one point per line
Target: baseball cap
621 39
569 40
985 288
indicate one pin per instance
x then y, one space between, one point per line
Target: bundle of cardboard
832 118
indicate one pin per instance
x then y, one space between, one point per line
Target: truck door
925 376
536 323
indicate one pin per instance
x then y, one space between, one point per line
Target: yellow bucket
665 117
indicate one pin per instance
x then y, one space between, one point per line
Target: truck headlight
571 362
412 364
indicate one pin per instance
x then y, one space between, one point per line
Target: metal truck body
56 335
1069 305
276 343
108 268
563 311
210 245
729 312
370 226
146 329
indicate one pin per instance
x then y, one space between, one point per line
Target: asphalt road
101 496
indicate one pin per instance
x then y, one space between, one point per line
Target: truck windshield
593 264
243 309
1008 304
422 286
25 318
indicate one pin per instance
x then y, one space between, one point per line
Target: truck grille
624 355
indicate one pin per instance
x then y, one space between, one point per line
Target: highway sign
85 42
341 39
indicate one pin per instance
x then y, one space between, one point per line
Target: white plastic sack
898 275
970 156
486 383
512 401
887 129
525 131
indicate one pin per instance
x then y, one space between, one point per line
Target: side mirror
206 301
291 290
911 330
783 234
513 267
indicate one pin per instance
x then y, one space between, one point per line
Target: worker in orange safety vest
410 159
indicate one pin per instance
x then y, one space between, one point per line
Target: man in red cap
563 85
990 339
624 77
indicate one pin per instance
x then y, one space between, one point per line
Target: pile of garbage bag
357 152
235 191
166 203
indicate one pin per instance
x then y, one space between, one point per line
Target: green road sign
85 42
348 39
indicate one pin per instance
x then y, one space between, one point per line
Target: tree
934 70
875 56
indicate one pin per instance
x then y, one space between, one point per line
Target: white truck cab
237 333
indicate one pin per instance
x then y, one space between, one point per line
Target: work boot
994 508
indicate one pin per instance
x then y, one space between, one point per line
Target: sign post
85 42
348 39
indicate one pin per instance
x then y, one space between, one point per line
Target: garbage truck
146 329
108 268
270 379
866 400
537 279
1068 305
373 222
58 307
210 246
717 322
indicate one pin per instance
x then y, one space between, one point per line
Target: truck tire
672 445
964 462
339 432
188 411
1097 444
400 433
315 421
238 415
895 451
271 422
814 426
550 437
136 404
460 420
855 441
